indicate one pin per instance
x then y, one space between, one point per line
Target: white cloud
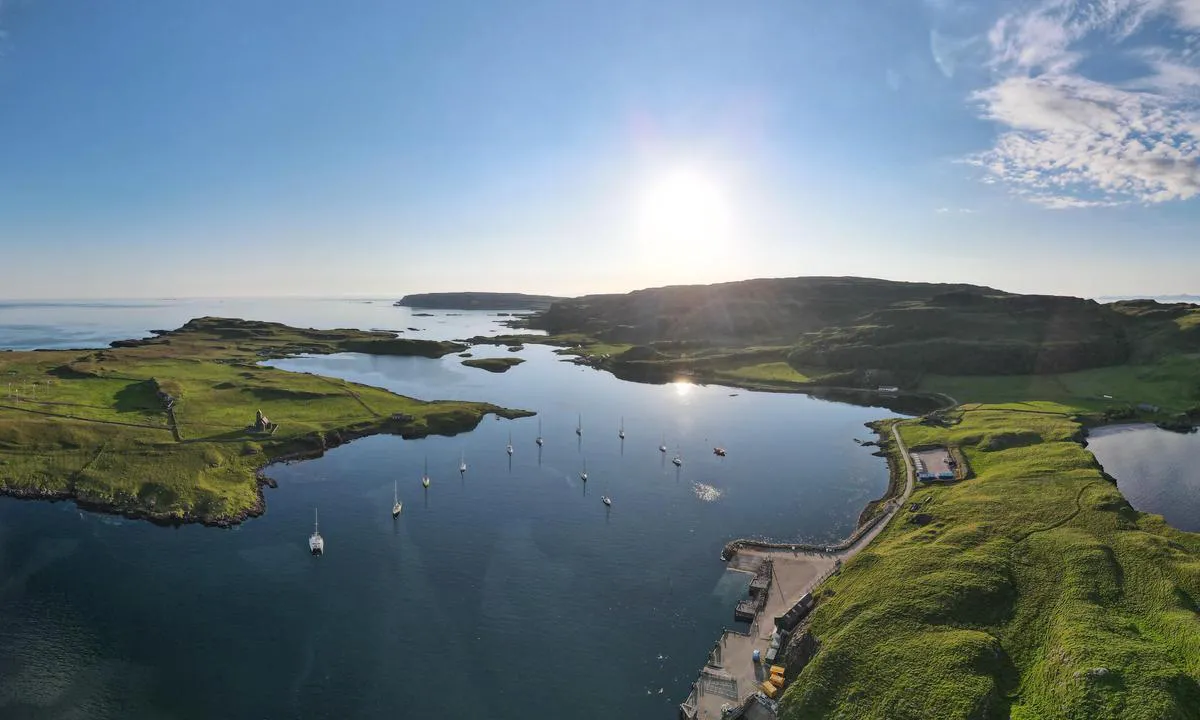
1071 141
953 211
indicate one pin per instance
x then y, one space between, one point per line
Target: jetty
734 683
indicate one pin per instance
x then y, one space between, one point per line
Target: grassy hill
797 333
161 428
1031 591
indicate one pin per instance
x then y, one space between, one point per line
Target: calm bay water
1156 470
506 593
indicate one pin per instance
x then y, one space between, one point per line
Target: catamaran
397 506
425 474
621 432
316 543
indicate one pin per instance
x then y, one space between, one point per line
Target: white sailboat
621 432
606 500
397 506
425 474
583 473
662 446
462 463
579 425
509 448
677 461
316 543
539 437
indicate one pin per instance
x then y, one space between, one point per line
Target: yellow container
769 689
777 681
776 669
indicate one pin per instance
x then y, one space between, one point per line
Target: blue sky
219 148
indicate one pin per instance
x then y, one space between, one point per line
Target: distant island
178 427
477 301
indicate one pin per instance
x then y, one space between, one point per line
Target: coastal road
796 572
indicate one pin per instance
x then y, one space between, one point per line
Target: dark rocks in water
412 329
516 348
465 354
422 314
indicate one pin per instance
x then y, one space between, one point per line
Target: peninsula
178 427
476 301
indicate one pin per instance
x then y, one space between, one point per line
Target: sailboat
316 543
397 506
462 463
662 446
677 461
539 437
425 474
621 432
579 425
509 448
583 473
606 500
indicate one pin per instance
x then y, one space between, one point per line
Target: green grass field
93 424
1173 383
778 372
1035 591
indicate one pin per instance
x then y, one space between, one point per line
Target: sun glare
684 209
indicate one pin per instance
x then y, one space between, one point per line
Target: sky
206 148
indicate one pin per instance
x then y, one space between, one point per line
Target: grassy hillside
863 333
1031 591
160 428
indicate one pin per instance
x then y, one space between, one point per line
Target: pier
730 679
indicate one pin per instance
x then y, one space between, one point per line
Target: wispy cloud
953 211
1068 140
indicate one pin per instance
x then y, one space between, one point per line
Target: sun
684 208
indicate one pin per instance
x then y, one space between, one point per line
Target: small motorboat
677 461
316 543
719 451
606 500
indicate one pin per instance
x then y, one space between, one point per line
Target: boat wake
707 493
